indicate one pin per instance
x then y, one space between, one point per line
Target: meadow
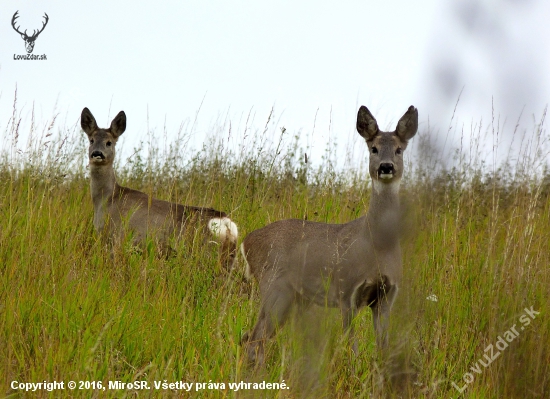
476 269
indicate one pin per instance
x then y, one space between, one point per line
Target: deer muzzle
97 156
386 170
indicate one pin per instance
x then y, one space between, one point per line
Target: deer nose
97 154
386 168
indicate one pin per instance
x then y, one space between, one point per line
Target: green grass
71 311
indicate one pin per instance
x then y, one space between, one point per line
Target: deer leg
228 253
381 315
348 314
273 313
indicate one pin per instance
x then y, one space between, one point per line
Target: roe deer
115 206
347 265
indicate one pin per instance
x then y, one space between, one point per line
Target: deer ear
87 122
407 125
366 124
118 125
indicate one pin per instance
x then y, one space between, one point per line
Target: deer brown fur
347 266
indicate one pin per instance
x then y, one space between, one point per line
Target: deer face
386 148
102 141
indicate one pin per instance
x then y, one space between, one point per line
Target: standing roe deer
115 206
347 265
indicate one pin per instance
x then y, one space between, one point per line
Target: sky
493 57
211 64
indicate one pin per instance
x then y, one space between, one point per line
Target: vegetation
476 255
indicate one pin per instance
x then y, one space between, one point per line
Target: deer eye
91 141
374 150
108 143
398 151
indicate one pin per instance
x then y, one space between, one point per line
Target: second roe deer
118 209
347 266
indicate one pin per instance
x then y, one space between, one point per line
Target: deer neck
383 216
103 184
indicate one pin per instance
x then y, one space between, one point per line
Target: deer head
29 40
102 141
386 148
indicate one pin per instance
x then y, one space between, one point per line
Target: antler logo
29 40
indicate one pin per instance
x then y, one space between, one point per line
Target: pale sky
314 62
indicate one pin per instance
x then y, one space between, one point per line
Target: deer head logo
29 40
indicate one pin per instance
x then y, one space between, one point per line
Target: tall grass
476 243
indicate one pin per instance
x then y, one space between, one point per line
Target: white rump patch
223 229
